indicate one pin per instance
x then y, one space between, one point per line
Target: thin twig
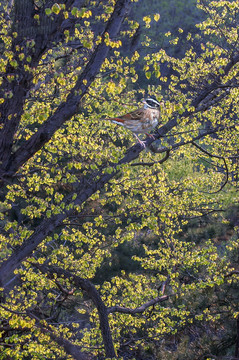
217 157
186 142
153 162
233 272
138 310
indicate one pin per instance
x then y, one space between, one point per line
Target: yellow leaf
156 17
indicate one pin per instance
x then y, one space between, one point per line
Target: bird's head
151 102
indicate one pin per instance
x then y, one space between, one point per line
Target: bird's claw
151 136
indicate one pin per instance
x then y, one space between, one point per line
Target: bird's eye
152 103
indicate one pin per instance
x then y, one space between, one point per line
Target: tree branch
186 142
153 162
42 34
71 106
87 286
70 348
217 82
74 350
233 272
85 190
138 310
217 157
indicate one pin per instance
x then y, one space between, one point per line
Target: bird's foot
151 136
142 143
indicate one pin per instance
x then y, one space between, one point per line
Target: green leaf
48 11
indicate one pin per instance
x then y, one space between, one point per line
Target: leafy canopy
73 191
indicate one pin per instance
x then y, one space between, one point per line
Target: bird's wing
134 115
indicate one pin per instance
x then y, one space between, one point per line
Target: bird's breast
154 122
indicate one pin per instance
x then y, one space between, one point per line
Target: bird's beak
144 102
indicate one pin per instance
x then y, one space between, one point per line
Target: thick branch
93 294
42 34
71 106
70 348
85 190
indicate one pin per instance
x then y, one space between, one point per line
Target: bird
142 120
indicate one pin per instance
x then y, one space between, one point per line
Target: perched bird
141 121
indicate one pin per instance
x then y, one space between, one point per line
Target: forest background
110 250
